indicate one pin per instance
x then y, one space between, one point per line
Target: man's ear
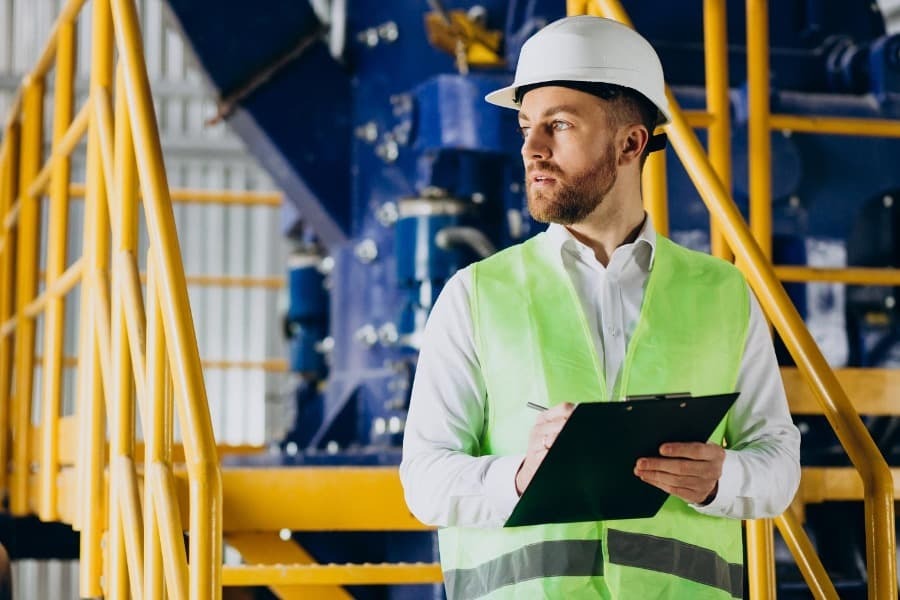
633 140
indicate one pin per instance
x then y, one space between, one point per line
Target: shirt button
613 331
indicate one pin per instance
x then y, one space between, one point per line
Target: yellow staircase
138 355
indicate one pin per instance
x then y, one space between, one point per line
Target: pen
535 406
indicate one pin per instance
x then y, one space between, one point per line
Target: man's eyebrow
559 108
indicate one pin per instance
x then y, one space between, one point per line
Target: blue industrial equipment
383 145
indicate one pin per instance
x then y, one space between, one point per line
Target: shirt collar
562 239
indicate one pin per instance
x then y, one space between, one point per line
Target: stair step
332 574
872 391
310 499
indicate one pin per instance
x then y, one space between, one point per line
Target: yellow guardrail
131 357
752 248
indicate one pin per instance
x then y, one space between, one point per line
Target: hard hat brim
506 97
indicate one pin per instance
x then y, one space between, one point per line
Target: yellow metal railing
752 249
132 359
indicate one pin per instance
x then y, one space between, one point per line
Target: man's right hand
546 427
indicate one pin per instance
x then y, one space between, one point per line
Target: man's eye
560 125
523 131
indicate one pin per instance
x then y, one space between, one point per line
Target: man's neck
604 233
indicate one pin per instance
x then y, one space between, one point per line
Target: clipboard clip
673 396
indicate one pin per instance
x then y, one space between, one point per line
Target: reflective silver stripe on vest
561 558
674 557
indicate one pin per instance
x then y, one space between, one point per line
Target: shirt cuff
500 483
729 484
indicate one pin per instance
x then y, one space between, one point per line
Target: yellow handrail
715 47
118 354
863 453
8 168
184 358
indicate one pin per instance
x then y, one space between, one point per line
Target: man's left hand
690 471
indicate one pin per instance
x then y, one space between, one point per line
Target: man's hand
690 471
546 427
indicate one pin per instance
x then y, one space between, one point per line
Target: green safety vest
534 344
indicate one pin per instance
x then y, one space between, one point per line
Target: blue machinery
370 116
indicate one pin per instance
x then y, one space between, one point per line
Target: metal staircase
139 361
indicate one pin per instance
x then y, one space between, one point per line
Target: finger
682 481
558 413
686 494
692 450
679 466
546 430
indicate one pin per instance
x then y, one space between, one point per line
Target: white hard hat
588 49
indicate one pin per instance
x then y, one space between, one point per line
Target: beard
570 203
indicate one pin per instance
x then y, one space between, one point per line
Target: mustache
544 166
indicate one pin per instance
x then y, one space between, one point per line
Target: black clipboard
588 473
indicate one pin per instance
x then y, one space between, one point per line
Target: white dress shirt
447 483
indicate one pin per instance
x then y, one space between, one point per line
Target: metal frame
145 358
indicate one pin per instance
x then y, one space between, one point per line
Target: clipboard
588 473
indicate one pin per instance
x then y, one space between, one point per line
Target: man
596 308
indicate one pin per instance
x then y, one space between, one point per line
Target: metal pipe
849 275
12 216
715 46
805 556
155 424
136 323
27 255
131 524
863 453
472 238
166 509
125 562
759 143
653 186
103 117
57 237
760 558
9 167
835 125
198 196
67 16
272 365
62 149
96 252
184 358
273 283
62 285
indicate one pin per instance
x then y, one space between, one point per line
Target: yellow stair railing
131 357
752 249
144 359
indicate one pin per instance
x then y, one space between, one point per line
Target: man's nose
535 147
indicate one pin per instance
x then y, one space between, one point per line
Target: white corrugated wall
232 324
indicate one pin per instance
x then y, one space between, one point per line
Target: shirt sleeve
762 463
445 480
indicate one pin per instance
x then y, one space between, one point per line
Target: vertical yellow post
760 544
8 179
760 559
26 288
759 150
63 101
204 475
125 236
158 447
653 186
715 44
96 252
